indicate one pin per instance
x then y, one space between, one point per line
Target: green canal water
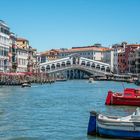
58 111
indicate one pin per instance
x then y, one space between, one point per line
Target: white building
108 57
4 46
118 48
22 54
91 52
137 61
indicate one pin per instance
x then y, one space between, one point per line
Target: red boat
130 96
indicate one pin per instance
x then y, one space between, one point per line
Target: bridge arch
102 68
83 63
58 65
88 64
93 65
48 67
107 69
97 66
43 68
53 66
63 64
68 63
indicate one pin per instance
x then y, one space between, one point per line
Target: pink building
126 58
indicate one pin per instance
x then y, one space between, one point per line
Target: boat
130 96
114 126
137 82
26 84
91 80
61 80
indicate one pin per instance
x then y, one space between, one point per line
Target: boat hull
118 133
115 126
129 130
125 101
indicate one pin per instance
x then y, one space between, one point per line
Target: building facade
118 49
124 58
50 55
13 53
32 62
22 54
108 57
4 46
137 61
90 52
26 56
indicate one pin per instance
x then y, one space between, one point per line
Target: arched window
103 68
58 65
83 63
107 69
48 67
43 68
98 67
88 64
68 63
63 64
52 66
93 65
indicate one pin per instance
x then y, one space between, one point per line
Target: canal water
58 111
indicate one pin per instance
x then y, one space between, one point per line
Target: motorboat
61 80
130 96
114 126
26 84
91 80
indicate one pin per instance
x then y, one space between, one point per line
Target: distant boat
115 127
26 84
61 80
130 96
91 80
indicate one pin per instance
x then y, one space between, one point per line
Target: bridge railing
75 66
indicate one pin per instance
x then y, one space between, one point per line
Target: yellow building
22 43
49 55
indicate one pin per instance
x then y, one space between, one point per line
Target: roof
48 52
22 39
77 49
85 49
134 45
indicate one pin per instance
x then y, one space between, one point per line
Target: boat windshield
137 112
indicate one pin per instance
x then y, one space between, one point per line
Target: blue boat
115 127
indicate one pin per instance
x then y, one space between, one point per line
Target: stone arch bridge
71 62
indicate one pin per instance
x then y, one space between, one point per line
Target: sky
54 24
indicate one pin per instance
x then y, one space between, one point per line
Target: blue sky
51 24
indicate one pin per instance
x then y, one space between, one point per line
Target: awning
12 74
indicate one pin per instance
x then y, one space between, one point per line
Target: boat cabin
132 92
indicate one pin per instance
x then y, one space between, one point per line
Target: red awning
12 74
16 73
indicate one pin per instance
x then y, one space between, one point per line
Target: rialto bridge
77 63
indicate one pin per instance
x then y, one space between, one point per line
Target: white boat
117 127
26 85
91 80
